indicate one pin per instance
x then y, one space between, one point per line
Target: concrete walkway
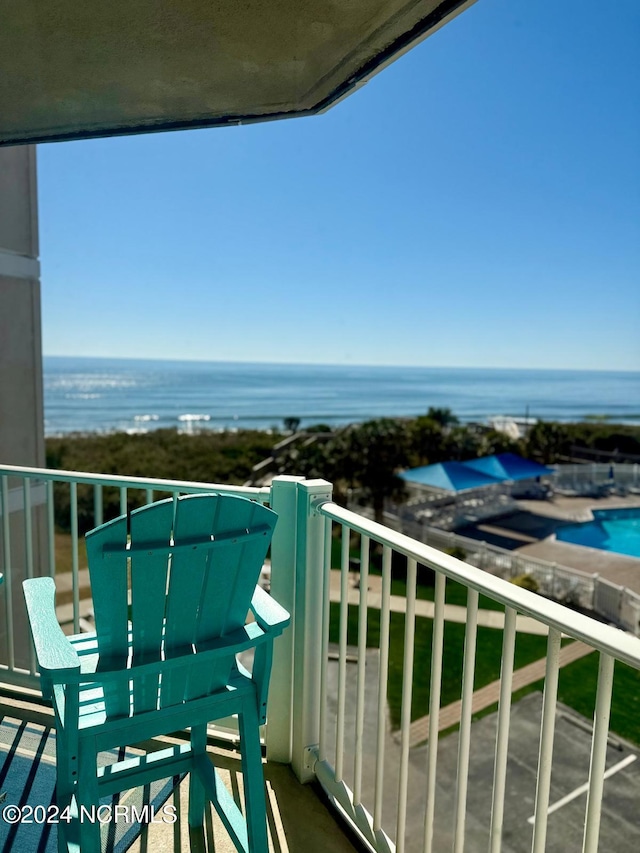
452 612
490 693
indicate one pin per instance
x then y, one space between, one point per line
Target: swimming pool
611 530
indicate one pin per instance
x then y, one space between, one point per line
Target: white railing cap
88 478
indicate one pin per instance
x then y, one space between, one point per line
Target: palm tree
427 441
368 456
547 440
442 415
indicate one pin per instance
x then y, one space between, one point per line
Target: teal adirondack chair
172 585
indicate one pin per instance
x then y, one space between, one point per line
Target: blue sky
475 204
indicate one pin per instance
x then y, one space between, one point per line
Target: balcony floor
298 817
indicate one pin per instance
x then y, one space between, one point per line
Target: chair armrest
272 619
107 670
269 615
53 650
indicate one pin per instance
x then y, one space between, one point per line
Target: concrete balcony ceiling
71 69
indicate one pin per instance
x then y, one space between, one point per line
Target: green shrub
208 457
457 552
526 582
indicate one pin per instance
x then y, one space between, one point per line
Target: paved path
452 612
490 693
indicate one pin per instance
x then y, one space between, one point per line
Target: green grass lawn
455 593
488 657
577 683
577 689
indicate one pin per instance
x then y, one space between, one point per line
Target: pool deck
530 530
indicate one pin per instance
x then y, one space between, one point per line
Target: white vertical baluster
51 530
407 689
98 505
28 527
149 496
464 741
434 708
598 753
8 580
342 652
28 550
362 655
502 736
382 686
74 556
123 500
547 731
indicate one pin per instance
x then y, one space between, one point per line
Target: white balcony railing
360 735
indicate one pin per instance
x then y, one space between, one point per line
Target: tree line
365 456
208 457
368 456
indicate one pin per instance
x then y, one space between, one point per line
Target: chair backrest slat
109 590
149 570
236 571
188 571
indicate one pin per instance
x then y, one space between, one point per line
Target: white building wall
21 403
21 394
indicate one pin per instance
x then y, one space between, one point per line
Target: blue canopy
508 466
449 476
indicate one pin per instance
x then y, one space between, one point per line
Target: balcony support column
308 619
21 390
284 501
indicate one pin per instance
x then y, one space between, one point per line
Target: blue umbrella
508 466
449 477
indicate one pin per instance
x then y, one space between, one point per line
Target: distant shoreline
278 428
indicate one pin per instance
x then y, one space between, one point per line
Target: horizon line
343 364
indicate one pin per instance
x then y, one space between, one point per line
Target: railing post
284 501
307 636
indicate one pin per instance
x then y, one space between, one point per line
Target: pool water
611 530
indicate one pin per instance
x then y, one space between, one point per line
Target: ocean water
104 395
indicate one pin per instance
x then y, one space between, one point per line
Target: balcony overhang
72 69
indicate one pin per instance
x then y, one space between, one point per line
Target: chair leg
253 779
87 795
66 767
196 788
